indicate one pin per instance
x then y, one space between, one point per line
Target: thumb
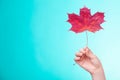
89 53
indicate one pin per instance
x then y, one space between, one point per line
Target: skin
87 60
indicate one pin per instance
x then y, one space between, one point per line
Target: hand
87 60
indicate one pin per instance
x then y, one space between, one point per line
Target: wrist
98 74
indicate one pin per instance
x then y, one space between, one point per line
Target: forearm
98 75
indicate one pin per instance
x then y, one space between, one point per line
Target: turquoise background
35 43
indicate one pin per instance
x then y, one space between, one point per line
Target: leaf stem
86 39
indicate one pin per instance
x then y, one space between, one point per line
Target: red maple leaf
85 21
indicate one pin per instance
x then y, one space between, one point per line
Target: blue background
35 43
